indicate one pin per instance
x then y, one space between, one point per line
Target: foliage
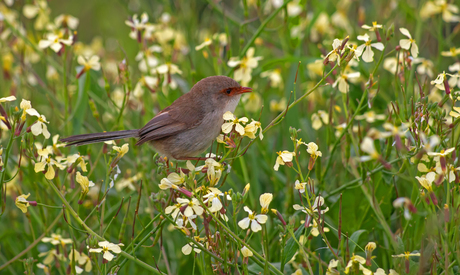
343 159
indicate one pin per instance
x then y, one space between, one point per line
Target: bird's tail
99 137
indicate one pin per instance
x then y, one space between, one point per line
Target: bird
187 127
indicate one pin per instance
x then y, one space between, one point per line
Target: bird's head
220 91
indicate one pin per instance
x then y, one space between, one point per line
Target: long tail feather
99 137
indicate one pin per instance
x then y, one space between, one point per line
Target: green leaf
354 240
291 246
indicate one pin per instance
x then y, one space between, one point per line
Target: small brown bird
188 126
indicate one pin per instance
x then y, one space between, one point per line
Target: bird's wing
170 121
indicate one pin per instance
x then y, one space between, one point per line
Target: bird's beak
243 90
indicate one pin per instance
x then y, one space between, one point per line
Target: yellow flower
370 117
246 65
91 63
246 252
238 122
315 231
408 43
331 267
146 81
46 160
318 204
66 20
365 50
56 239
440 6
317 119
22 203
51 256
440 81
370 247
137 24
26 107
187 249
426 66
106 248
81 259
452 52
276 81
8 98
206 43
300 186
443 153
343 79
265 200
84 183
252 102
251 129
283 158
121 150
214 170
357 262
455 112
454 81
368 147
372 28
427 181
335 53
278 106
313 150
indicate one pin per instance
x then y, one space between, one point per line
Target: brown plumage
188 126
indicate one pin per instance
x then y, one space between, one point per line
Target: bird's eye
228 91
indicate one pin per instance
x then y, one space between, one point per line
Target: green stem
3 172
237 239
258 32
91 232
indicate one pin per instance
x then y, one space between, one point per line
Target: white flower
365 50
68 20
313 150
249 62
8 98
106 248
246 252
319 202
370 117
39 127
454 81
368 147
252 220
54 42
91 63
283 158
343 79
265 200
187 249
408 43
206 43
214 171
233 121
300 186
193 206
213 197
137 24
334 54
56 239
